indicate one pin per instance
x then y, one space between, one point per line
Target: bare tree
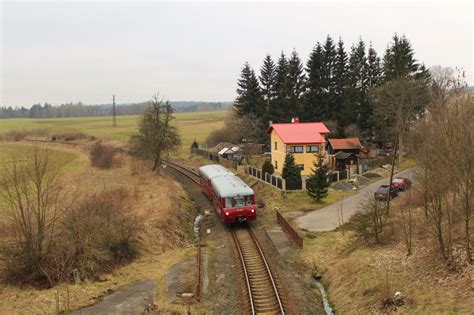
406 219
445 154
369 222
156 135
32 195
397 104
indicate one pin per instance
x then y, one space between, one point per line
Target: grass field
191 125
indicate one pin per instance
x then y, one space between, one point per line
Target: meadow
192 126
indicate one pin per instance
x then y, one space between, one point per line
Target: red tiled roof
345 144
300 133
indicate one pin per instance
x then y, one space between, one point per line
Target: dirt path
326 219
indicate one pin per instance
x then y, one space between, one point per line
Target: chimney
295 120
270 123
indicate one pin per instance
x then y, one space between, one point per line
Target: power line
114 123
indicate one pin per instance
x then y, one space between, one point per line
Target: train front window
239 201
248 200
228 202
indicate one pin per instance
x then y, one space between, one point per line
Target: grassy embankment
167 227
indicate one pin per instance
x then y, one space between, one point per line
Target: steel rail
244 268
264 262
192 175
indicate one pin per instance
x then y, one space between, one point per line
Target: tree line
332 86
82 110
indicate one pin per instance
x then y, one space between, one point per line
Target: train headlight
227 213
252 211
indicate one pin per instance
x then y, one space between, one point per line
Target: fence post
337 173
283 184
303 184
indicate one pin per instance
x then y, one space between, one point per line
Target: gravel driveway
326 219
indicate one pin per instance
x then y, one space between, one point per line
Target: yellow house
302 139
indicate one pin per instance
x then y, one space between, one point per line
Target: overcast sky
66 51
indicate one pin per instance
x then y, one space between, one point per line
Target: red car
401 183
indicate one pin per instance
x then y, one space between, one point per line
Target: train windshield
237 202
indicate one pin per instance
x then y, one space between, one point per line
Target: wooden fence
290 230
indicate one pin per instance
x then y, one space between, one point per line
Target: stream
327 306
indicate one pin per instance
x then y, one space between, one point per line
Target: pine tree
267 167
267 80
280 89
295 85
340 86
399 61
357 104
291 172
327 78
374 69
249 100
313 106
318 183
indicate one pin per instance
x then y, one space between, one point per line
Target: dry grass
356 276
161 204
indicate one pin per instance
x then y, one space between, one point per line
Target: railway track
192 175
263 293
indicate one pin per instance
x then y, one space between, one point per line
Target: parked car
401 183
381 192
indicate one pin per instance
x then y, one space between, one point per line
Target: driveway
326 219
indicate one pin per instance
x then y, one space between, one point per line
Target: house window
312 148
296 149
301 166
276 146
276 164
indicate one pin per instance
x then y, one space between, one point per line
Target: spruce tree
249 100
340 86
318 183
267 80
374 69
399 61
357 105
327 78
295 85
313 106
291 172
280 88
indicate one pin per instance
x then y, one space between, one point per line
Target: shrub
370 221
71 136
103 232
267 167
102 156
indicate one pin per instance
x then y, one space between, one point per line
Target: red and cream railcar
233 200
207 173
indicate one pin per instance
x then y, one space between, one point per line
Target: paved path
326 219
137 298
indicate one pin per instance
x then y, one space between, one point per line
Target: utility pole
114 121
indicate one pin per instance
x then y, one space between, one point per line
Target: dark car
381 193
401 183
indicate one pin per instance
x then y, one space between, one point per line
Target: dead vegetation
102 155
105 221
